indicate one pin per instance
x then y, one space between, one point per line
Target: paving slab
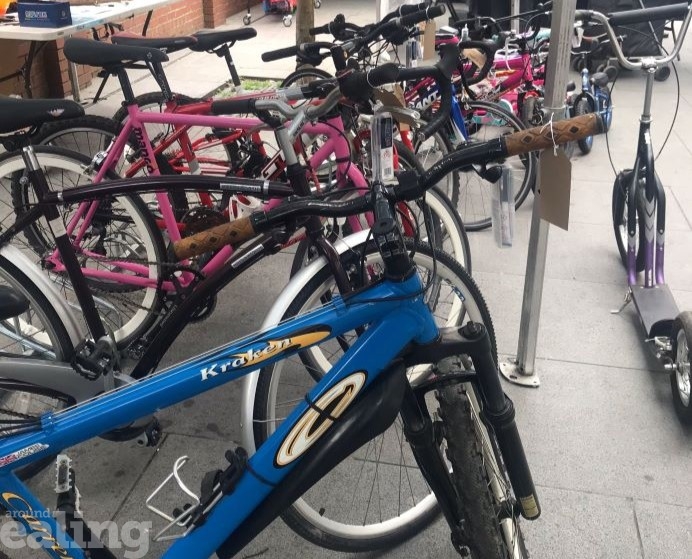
609 457
580 525
665 530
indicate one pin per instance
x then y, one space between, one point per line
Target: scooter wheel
680 376
661 74
247 20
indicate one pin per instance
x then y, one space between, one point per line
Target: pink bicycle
120 246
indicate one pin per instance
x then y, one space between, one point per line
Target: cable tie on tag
552 133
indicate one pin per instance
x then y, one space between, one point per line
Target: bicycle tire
448 230
480 478
87 135
90 135
38 332
583 107
619 213
312 522
430 152
129 311
474 200
303 74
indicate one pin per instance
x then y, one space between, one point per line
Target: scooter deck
656 307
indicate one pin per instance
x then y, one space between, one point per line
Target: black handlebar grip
407 9
233 106
280 53
319 30
358 86
675 11
422 15
387 73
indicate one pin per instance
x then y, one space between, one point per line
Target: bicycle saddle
209 40
600 79
22 113
12 303
102 55
166 44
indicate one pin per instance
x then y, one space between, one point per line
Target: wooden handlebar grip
559 132
232 233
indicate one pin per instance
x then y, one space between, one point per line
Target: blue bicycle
465 442
594 97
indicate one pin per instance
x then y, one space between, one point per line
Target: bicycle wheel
304 76
120 230
485 121
87 135
583 107
485 497
339 512
429 152
619 207
36 332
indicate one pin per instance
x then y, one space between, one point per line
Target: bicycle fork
498 411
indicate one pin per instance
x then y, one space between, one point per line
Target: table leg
74 81
147 22
26 70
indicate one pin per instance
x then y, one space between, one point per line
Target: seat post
125 85
226 51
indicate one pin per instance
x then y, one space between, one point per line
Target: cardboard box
44 13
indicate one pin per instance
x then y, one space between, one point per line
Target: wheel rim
682 369
475 193
131 310
451 309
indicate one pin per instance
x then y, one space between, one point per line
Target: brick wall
49 71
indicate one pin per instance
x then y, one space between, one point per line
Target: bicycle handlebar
306 51
449 57
673 11
411 184
488 49
636 16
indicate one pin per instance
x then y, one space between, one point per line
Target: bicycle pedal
183 515
65 486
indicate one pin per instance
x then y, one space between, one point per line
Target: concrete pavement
610 459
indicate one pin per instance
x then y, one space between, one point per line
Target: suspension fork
420 434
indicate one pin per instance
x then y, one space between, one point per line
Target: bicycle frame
399 317
138 274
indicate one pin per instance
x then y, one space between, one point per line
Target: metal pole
522 369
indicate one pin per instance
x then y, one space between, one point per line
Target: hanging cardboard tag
553 187
577 37
429 40
474 55
393 98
